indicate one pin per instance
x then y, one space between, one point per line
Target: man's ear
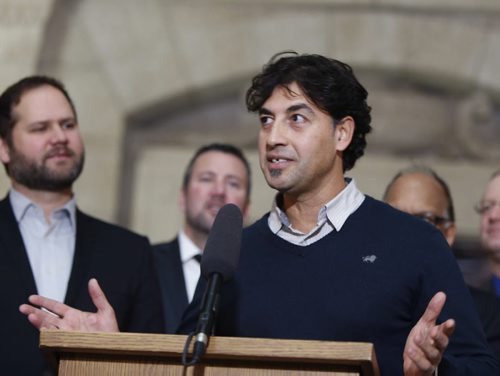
182 200
344 130
450 233
4 151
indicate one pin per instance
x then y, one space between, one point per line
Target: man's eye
235 184
68 125
37 129
297 118
264 120
205 178
485 206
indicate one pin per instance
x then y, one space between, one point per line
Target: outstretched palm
55 315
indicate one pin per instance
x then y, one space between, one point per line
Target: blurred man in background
216 175
489 210
421 192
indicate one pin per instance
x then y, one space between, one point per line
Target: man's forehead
217 161
421 188
289 95
41 92
42 101
493 188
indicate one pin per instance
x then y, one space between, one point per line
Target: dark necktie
197 258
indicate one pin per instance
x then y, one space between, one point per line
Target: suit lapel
179 295
12 246
171 276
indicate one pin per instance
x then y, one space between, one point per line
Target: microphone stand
206 320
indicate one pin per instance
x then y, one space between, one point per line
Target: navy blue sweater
369 282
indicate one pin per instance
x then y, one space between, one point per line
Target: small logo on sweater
369 259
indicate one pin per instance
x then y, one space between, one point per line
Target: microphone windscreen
222 250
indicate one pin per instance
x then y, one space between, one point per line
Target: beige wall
425 66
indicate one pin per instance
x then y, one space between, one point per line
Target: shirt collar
186 247
21 204
337 210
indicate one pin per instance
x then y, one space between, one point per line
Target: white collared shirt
50 246
332 216
190 266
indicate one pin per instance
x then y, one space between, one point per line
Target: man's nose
219 188
58 134
494 212
277 134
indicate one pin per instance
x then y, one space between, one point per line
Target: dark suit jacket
119 259
488 285
167 257
488 306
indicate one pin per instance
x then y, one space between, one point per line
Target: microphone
218 265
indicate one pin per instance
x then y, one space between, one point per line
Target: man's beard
203 220
200 223
276 173
37 176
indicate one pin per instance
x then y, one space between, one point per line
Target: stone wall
153 80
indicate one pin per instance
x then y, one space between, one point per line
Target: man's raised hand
52 314
427 340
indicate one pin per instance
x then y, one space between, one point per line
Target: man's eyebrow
205 172
48 121
234 178
264 111
295 107
300 106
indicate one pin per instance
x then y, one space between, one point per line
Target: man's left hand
427 341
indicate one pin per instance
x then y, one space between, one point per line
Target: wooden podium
94 354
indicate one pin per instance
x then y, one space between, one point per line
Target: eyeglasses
432 218
485 207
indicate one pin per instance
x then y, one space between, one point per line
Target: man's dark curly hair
328 83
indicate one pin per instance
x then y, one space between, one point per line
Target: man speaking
328 262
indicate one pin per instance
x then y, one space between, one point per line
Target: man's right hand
52 314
